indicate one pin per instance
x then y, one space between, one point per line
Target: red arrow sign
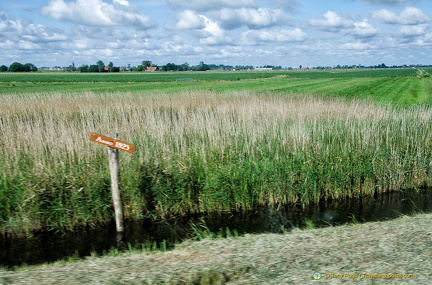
112 142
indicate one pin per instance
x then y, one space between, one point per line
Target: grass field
398 86
210 145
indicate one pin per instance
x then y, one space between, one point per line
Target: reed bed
200 152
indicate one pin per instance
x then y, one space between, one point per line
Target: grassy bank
200 152
391 252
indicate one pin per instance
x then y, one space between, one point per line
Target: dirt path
392 252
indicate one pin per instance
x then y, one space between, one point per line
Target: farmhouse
152 68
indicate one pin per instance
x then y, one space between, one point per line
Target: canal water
48 246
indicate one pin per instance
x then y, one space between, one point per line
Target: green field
399 86
224 142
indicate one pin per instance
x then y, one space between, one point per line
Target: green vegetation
18 67
398 86
201 151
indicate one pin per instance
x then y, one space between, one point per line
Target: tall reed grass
200 152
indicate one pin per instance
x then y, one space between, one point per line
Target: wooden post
114 146
114 166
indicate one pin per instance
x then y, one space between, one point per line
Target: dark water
46 246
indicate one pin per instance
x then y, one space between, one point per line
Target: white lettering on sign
111 142
99 139
122 146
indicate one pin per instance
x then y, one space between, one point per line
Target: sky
286 33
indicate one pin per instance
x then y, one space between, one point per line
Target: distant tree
29 67
116 69
140 68
147 63
243 67
16 67
83 68
93 68
110 66
3 68
185 66
169 67
72 67
100 66
26 68
201 67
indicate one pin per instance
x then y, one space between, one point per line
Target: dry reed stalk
61 122
285 137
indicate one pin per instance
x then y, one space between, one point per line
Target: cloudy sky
233 32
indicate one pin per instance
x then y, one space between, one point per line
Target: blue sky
235 32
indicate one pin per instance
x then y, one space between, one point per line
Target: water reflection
46 246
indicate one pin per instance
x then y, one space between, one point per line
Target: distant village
149 66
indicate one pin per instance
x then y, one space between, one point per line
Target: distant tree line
99 67
382 65
276 67
18 67
204 67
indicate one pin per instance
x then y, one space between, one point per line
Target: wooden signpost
113 157
111 141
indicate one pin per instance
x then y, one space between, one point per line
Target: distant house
152 68
263 69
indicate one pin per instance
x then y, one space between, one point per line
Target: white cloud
414 30
413 16
409 16
176 47
425 40
230 52
30 32
122 2
38 33
385 16
8 44
206 5
332 22
189 20
364 29
28 45
254 37
252 18
97 13
105 33
10 27
214 35
357 46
